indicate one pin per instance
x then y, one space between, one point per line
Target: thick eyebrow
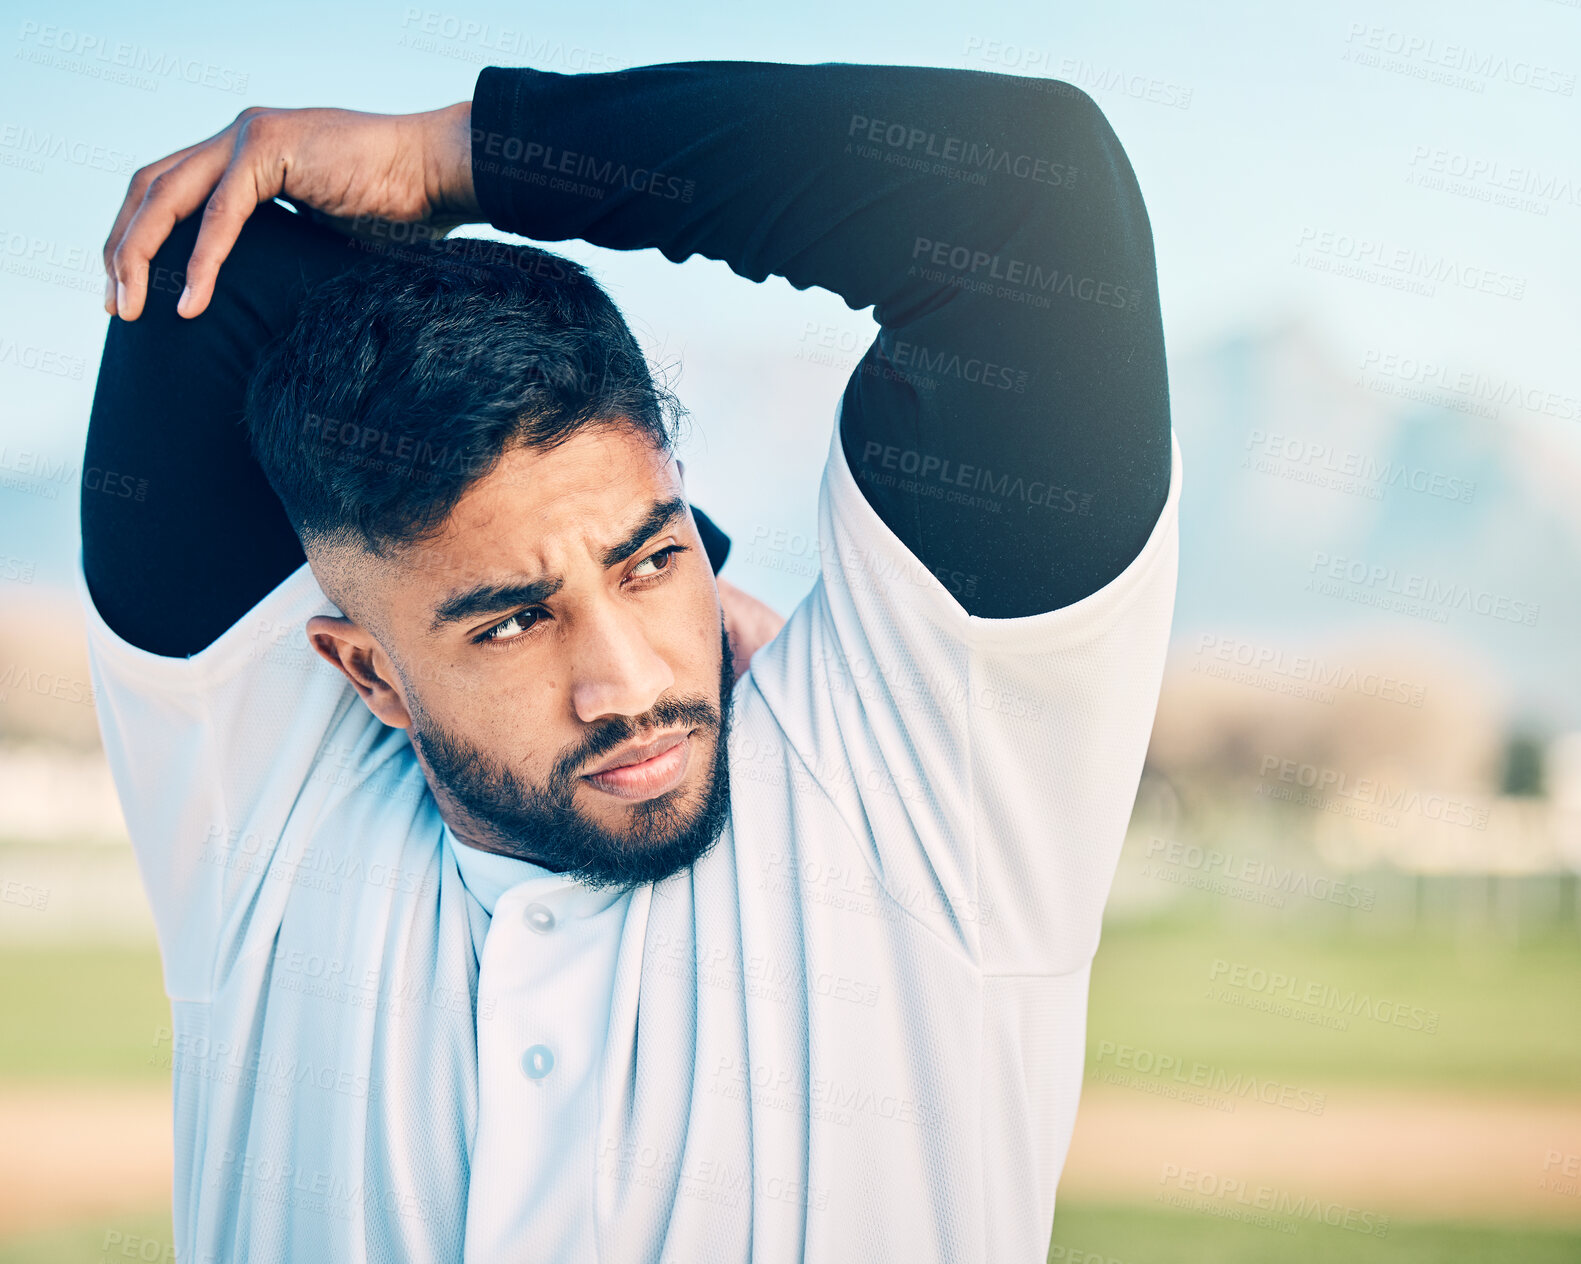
497 598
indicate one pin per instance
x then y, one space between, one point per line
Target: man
505 927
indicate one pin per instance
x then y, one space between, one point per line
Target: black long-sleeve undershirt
172 569
1010 423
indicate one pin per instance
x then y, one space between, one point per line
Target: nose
616 670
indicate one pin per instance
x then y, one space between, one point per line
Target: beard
541 823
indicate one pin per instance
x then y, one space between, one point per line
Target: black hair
404 381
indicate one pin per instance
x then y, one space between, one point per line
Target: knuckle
158 186
140 179
254 123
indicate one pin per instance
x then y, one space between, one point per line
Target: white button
537 1062
539 918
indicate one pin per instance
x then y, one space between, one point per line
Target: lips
645 771
640 753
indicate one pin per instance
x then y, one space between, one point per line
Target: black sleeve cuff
493 108
715 542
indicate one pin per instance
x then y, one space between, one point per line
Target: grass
96 1241
1083 1234
1114 1234
1507 1023
1507 1020
74 1013
96 1013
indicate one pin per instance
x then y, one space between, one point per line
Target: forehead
540 511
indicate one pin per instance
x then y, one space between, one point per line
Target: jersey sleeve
214 758
986 767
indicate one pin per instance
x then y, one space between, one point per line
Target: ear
349 648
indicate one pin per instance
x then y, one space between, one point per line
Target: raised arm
200 537
1011 421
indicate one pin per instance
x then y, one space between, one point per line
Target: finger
235 198
171 196
136 190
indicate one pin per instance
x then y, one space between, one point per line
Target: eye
660 560
516 626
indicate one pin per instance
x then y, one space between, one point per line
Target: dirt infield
80 1152
77 1153
1428 1156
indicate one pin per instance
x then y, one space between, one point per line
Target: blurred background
1336 1013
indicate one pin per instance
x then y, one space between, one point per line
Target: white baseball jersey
853 1031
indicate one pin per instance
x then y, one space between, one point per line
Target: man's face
558 653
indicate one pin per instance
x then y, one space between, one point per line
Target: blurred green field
82 1013
97 1012
1083 1234
1508 1022
1509 1014
1117 1234
115 1238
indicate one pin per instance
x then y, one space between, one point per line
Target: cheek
703 617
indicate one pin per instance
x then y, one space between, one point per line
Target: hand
749 623
343 163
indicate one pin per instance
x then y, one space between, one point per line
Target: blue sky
1271 141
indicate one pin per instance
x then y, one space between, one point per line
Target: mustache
691 712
